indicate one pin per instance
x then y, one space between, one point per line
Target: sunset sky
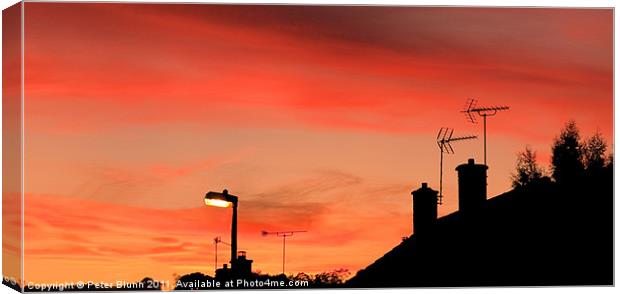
319 118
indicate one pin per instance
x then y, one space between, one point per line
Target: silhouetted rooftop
544 235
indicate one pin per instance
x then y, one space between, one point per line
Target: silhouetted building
424 209
224 273
241 268
472 186
543 235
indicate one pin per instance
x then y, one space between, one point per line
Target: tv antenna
217 240
282 234
471 109
444 137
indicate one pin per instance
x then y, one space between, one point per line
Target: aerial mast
284 235
217 240
444 138
471 109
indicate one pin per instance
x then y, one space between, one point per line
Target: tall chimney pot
472 186
424 209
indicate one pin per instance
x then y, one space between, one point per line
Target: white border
527 3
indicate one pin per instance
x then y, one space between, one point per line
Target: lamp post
226 200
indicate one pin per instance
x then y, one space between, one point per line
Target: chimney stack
424 209
472 186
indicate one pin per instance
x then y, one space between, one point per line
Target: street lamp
226 200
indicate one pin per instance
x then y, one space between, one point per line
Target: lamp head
220 199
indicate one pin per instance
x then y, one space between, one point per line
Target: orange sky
318 118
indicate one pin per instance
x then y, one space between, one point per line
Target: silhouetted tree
527 169
332 278
567 153
150 284
609 163
301 277
594 154
608 170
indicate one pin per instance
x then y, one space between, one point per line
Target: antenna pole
471 108
283 234
484 118
283 253
217 240
441 178
444 138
